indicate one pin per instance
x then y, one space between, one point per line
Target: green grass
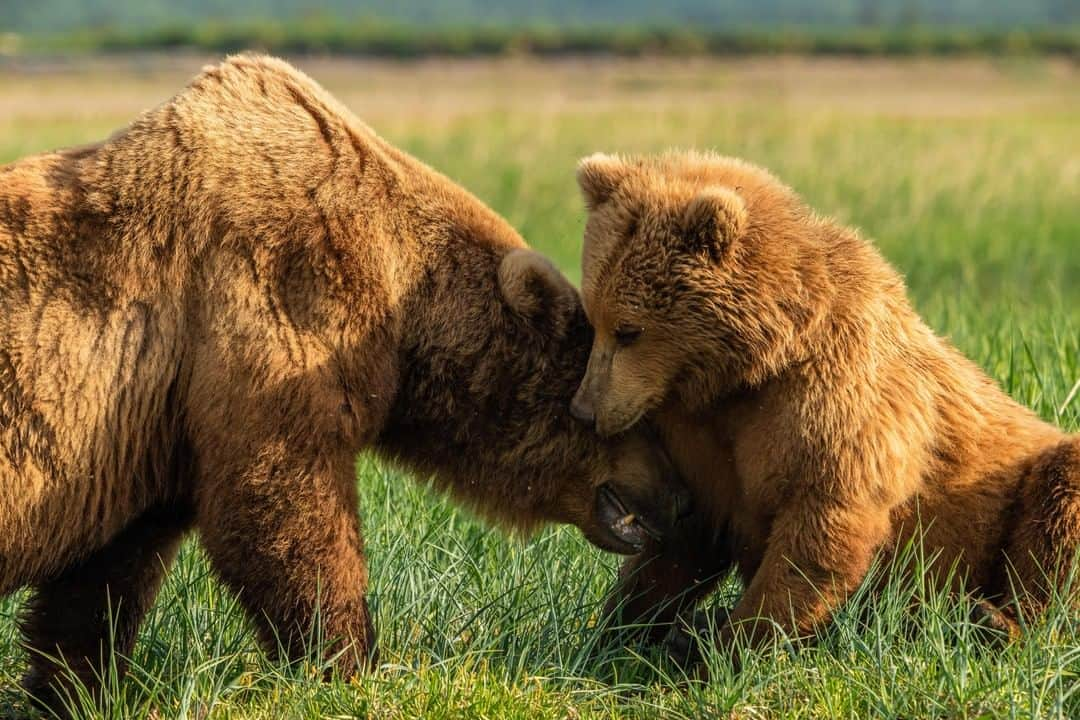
968 178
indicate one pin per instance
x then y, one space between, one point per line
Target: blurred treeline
35 16
404 41
409 28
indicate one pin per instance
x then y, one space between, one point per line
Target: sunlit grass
967 177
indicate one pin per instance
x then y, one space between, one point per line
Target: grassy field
966 173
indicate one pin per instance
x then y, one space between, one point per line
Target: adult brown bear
815 416
205 317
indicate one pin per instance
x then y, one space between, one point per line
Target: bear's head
691 279
619 492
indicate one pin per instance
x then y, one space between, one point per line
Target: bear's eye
627 334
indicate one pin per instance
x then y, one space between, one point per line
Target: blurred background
948 131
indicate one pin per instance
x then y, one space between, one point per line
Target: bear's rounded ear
599 176
713 220
535 288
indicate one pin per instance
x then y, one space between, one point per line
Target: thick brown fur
205 317
817 420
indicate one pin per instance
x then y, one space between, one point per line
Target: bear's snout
581 407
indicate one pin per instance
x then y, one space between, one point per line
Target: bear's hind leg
1046 536
96 606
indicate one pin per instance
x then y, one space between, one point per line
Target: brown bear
205 317
817 420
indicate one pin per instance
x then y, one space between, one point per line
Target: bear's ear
535 288
599 176
713 220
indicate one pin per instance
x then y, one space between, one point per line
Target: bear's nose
582 409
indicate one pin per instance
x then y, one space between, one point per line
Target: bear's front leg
817 554
282 531
668 579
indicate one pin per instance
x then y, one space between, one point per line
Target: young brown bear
812 413
204 318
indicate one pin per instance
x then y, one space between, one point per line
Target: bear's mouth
628 530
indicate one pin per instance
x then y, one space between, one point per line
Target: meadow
966 173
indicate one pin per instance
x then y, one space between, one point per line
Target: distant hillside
47 16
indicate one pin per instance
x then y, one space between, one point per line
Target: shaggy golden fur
206 316
816 418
